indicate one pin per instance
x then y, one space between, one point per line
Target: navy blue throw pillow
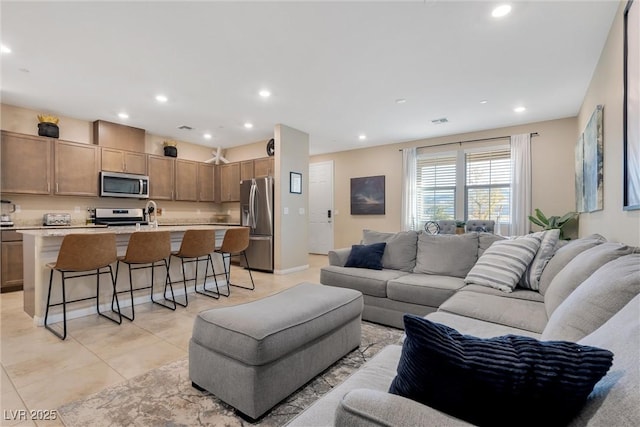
366 256
504 381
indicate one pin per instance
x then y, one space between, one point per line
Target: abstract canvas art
589 165
367 195
631 112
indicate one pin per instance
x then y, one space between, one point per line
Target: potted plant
170 149
552 222
460 227
48 126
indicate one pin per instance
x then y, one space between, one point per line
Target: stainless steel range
120 216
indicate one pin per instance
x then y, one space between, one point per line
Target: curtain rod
471 140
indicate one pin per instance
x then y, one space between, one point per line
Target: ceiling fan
217 157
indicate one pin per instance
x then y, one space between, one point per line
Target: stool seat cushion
262 331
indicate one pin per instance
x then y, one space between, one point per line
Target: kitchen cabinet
230 182
187 180
123 161
246 170
114 135
206 182
263 167
161 177
26 164
76 168
11 277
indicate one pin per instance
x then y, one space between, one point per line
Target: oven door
114 184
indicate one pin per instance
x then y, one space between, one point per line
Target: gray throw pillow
446 254
578 270
531 277
501 266
400 252
596 300
485 240
563 255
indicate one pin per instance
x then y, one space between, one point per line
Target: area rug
165 397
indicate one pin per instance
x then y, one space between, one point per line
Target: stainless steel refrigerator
256 212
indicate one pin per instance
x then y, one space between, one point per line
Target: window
436 187
464 184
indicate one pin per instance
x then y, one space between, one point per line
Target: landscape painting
367 195
631 113
593 160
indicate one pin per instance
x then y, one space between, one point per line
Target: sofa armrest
366 407
339 257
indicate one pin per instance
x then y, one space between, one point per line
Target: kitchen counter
41 246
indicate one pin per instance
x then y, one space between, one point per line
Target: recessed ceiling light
248 125
161 98
400 101
207 136
501 11
484 101
5 49
362 137
123 115
519 109
264 93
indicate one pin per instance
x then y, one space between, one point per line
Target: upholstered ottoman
253 355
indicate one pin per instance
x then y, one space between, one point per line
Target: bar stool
197 245
148 249
82 253
235 243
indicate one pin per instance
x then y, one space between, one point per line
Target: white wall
607 88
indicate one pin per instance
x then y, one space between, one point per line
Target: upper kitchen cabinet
187 180
230 182
246 170
263 167
161 177
123 161
206 182
113 135
76 169
26 164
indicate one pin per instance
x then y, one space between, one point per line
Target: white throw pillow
501 266
531 277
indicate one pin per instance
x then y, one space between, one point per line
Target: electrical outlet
77 209
301 211
159 211
18 209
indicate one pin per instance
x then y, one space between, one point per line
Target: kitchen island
41 246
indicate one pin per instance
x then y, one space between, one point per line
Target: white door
320 207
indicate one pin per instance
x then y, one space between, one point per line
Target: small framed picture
295 182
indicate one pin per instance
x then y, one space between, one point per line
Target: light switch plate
301 211
286 211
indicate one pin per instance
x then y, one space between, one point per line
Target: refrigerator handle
252 205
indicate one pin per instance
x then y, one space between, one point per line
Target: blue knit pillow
366 256
503 381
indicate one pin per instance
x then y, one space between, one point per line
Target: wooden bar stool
148 249
197 245
235 243
82 253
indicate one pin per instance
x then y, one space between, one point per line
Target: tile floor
40 372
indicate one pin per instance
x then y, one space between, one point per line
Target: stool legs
213 294
64 309
228 273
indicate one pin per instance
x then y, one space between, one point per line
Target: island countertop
61 231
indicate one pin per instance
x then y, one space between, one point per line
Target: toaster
56 219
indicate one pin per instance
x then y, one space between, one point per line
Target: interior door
320 207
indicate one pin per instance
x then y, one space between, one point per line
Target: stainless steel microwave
117 184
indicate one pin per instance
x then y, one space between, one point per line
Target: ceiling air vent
439 121
185 127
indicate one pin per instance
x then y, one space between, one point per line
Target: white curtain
520 184
409 189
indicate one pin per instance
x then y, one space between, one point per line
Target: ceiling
334 69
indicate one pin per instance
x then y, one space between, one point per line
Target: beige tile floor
40 372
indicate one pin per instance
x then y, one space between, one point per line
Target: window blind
488 185
436 186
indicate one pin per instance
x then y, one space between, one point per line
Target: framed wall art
295 182
589 165
631 107
367 195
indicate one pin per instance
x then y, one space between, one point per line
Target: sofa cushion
531 277
369 282
423 289
467 377
518 293
446 254
485 240
578 270
563 255
596 300
477 328
520 313
400 252
501 266
614 400
366 256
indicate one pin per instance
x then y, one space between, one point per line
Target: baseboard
292 270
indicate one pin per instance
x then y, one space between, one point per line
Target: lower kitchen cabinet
11 260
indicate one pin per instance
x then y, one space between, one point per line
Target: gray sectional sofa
586 291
